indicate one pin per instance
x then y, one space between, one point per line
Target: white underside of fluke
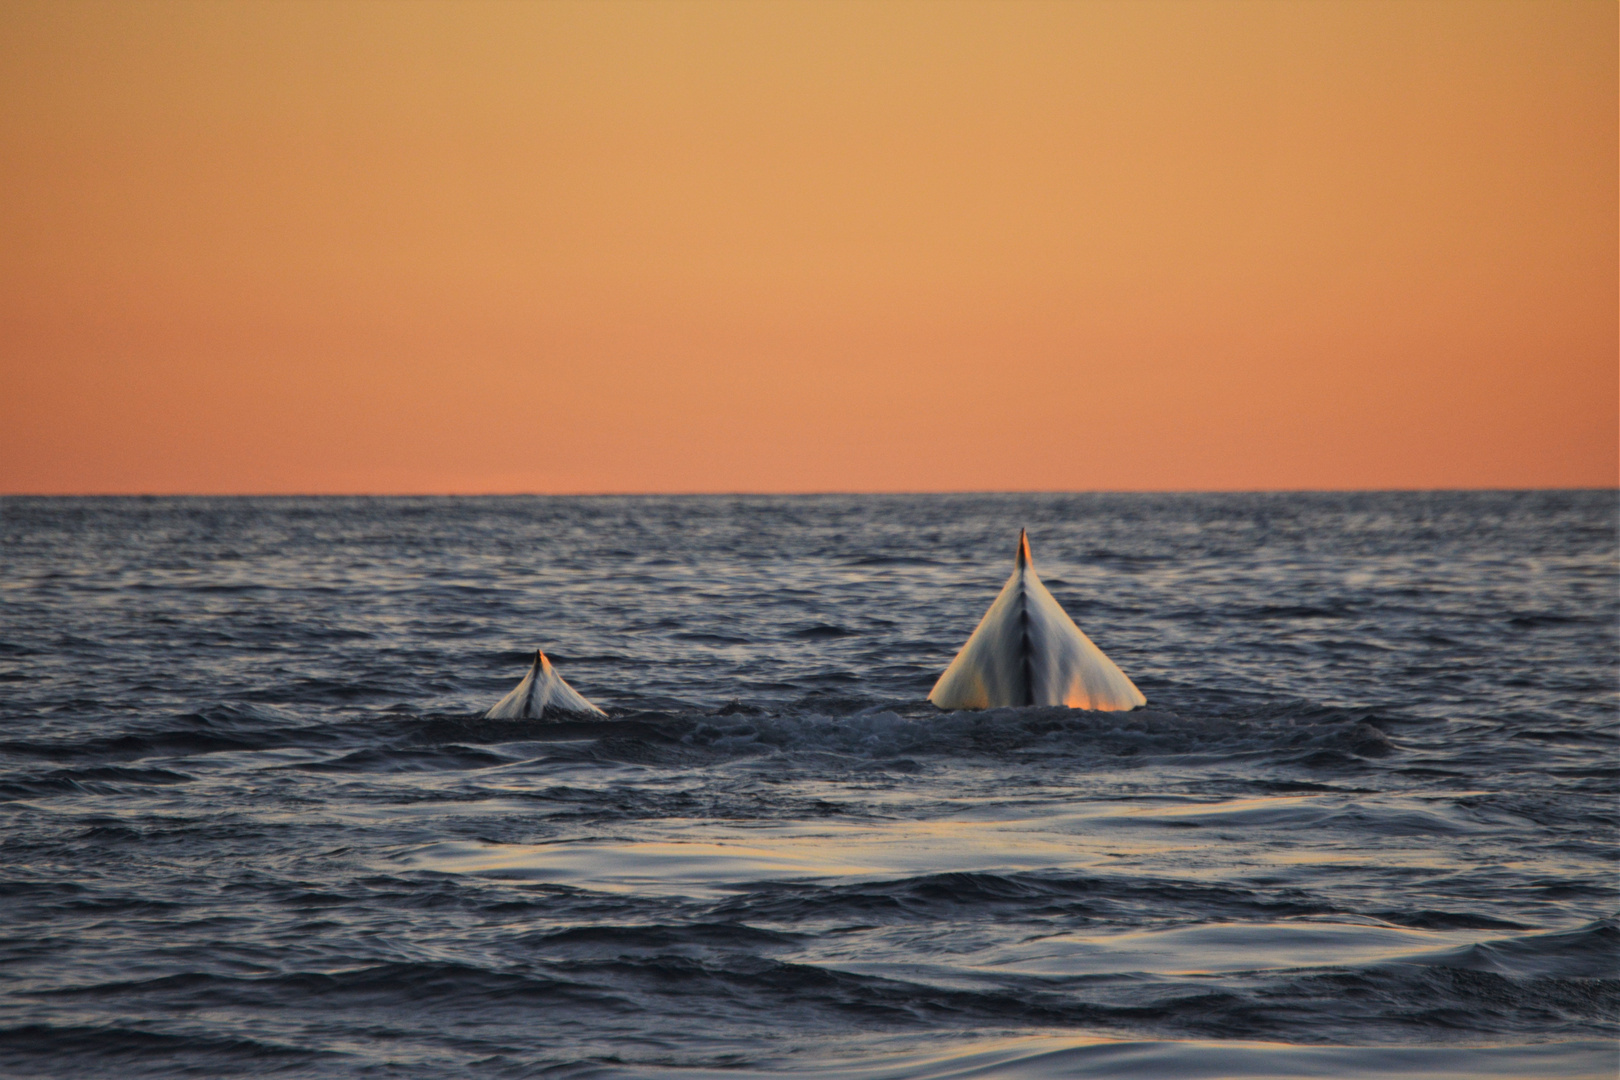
542 690
1027 651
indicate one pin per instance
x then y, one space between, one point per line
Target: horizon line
760 493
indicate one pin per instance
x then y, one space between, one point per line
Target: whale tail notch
1027 651
542 691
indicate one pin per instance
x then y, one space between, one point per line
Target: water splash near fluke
1027 651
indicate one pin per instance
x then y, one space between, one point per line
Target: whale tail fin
542 691
1027 651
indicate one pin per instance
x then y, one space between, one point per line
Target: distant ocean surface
251 821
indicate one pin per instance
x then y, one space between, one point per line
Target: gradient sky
757 246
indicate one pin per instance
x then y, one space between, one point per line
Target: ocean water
251 822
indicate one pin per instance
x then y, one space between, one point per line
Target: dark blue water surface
251 822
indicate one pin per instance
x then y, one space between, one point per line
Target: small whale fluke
542 690
1027 651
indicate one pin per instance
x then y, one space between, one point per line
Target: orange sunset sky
830 246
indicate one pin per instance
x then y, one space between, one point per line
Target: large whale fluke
1027 651
542 690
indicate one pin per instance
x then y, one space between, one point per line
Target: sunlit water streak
253 823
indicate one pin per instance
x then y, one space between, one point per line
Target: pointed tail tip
1023 548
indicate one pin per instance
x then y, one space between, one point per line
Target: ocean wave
888 733
114 1050
1588 952
97 779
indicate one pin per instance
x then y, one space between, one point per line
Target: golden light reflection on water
633 866
1225 806
689 855
713 860
1049 1055
709 855
1224 947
